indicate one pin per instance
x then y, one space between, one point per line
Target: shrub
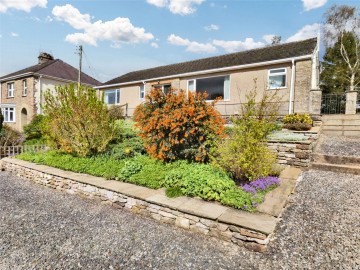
297 121
245 154
78 122
176 126
116 112
10 136
34 131
1 121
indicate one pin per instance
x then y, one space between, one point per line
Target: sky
119 36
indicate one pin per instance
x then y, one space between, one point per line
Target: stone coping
263 222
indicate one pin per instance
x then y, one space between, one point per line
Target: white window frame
6 116
195 83
24 92
11 90
162 86
277 74
117 96
142 92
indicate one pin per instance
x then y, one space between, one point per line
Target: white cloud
268 38
181 7
118 31
237 45
48 19
312 4
0 36
191 46
212 27
72 16
14 34
154 45
308 31
24 5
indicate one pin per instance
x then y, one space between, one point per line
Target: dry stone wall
251 239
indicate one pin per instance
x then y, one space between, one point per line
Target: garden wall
251 230
295 153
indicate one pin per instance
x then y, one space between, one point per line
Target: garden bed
252 230
179 178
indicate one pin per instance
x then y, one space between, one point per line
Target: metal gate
333 103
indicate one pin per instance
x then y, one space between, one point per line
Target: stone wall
242 236
297 154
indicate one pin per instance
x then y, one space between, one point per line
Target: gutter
16 76
210 71
292 88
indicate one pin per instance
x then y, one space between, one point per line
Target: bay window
9 114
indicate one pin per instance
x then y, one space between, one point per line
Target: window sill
278 88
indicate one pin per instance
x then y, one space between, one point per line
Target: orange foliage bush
176 126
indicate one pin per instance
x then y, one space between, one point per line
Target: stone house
290 69
21 92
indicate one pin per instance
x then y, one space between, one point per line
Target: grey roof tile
269 53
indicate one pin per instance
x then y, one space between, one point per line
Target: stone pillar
315 101
351 99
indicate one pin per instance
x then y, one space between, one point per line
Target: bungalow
21 92
291 69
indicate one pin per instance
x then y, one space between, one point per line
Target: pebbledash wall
250 239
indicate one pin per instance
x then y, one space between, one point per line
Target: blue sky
126 35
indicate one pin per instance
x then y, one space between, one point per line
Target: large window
215 87
142 91
9 114
11 89
277 78
112 97
164 87
24 92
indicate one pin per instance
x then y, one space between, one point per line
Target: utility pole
80 63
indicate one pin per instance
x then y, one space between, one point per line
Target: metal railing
9 151
333 103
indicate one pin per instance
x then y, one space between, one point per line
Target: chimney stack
44 57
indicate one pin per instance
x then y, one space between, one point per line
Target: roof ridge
216 57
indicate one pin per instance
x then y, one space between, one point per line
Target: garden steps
336 163
340 124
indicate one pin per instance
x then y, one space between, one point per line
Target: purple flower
261 184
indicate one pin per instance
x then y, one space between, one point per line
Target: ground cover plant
179 178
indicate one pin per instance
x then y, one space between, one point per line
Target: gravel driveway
41 228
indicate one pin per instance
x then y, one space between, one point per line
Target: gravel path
339 145
41 228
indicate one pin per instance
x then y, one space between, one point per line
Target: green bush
77 121
34 131
116 112
1 121
237 198
126 142
244 154
297 121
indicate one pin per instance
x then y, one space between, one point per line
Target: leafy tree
77 121
342 39
176 126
